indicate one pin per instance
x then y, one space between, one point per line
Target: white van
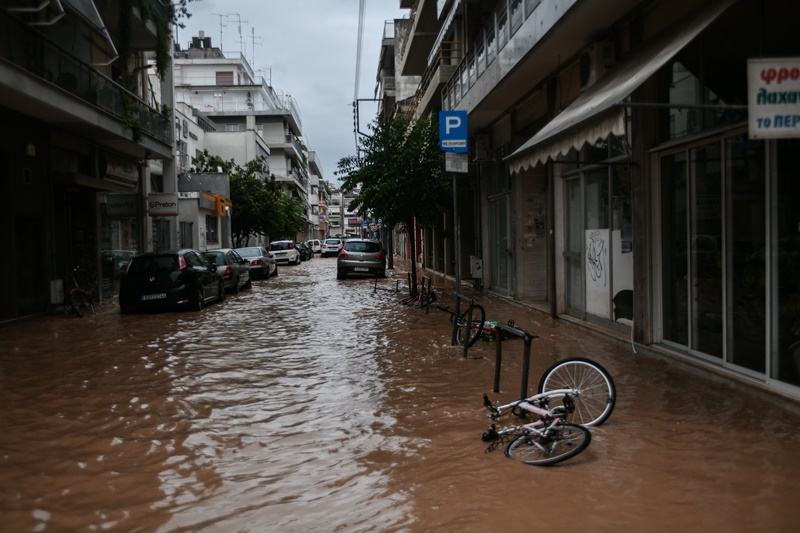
315 245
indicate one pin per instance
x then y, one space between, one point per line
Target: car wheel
249 284
235 289
198 301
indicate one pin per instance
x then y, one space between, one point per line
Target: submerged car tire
199 299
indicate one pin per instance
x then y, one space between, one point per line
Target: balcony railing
41 57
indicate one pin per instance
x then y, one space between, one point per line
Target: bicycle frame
548 418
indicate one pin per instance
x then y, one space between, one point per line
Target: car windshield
280 246
153 263
332 242
249 252
368 247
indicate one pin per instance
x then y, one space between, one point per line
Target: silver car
262 265
234 269
363 257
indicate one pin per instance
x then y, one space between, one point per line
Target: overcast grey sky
307 48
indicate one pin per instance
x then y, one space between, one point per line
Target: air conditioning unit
483 148
595 61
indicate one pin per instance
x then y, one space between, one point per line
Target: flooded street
310 404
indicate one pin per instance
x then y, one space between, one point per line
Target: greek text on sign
773 98
453 131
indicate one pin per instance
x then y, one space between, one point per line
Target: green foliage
401 175
260 206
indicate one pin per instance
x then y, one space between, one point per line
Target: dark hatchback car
363 257
173 279
305 251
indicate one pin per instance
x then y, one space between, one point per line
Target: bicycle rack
526 355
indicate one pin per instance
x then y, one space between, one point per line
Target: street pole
456 236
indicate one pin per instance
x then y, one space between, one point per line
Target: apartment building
629 167
83 133
252 119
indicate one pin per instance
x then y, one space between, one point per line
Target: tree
260 206
401 176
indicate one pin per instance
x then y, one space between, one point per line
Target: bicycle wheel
80 303
477 316
564 441
597 391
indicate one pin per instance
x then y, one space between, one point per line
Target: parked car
116 261
305 251
234 269
261 263
284 252
361 257
173 279
315 245
331 246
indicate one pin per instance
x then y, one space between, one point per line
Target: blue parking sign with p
453 131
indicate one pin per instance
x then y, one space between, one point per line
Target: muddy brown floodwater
308 404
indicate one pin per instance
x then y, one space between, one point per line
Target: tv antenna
253 34
241 40
221 25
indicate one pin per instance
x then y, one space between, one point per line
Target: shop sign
121 205
122 171
773 98
162 204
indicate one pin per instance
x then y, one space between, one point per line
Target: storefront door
713 236
501 254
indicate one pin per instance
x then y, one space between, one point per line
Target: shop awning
596 113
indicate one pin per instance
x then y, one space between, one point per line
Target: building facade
614 174
252 120
89 145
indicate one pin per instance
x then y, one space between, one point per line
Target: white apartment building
252 119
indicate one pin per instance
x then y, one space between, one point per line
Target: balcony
288 143
421 40
521 44
44 81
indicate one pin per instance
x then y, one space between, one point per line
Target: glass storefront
119 237
729 283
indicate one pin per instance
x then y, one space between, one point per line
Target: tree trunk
412 242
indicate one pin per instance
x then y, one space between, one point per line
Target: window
233 127
516 15
502 29
211 229
225 78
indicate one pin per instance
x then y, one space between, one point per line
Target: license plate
360 269
157 296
